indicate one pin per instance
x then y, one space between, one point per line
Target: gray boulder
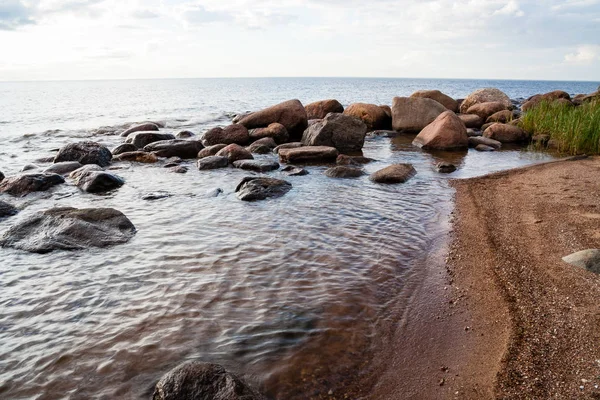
63 167
397 173
343 171
7 210
257 166
586 259
412 114
211 150
123 148
254 188
99 182
308 154
345 133
292 170
22 185
148 126
84 170
175 148
212 162
85 153
143 139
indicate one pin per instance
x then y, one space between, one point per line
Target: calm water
295 294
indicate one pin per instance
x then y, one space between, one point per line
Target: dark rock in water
22 185
211 150
44 160
29 167
484 147
235 152
212 162
308 154
180 169
266 141
586 259
343 132
1 176
172 162
275 131
342 171
202 381
292 170
397 173
63 167
67 228
185 135
149 126
84 170
259 149
156 195
175 148
253 188
373 116
292 145
99 182
231 134
214 192
382 133
257 166
290 114
7 210
124 148
445 167
320 109
477 140
343 159
143 139
137 156
85 153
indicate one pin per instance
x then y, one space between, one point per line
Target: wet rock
397 173
541 140
22 185
172 162
29 167
292 170
320 109
506 133
438 96
212 162
383 133
445 167
471 120
473 132
238 117
1 176
476 141
7 210
202 381
290 114
262 146
501 116
179 169
276 131
63 167
483 147
412 114
308 154
343 159
344 171
292 145
143 139
185 135
232 134
373 116
586 259
485 110
85 153
137 156
484 96
44 160
84 170
345 133
123 148
253 188
446 132
213 192
148 126
67 228
211 150
156 196
255 165
175 148
235 152
99 182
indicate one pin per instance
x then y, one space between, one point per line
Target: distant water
300 295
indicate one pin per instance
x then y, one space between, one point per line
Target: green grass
576 130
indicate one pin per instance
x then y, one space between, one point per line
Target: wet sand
499 315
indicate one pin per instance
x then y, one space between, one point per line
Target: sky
470 39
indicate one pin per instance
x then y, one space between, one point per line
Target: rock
44 160
63 167
412 114
137 156
550 97
446 132
172 162
238 117
179 169
320 109
276 131
232 134
438 96
591 97
212 162
343 159
473 132
476 141
311 122
211 150
1 176
586 259
373 116
85 153
213 192
483 147
292 145
67 228
185 135
145 127
262 146
84 170
445 167
292 170
383 133
257 166
501 116
143 139
541 139
485 126
471 120
290 114
7 210
343 171
396 173
484 96
123 148
175 148
156 195
345 133
506 133
22 185
485 110
202 381
253 188
29 167
99 182
308 154
235 152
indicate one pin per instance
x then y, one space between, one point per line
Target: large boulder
308 154
123 148
397 173
211 150
63 167
485 110
438 96
446 132
256 165
471 120
506 133
347 134
373 116
232 134
275 130
137 156
175 148
98 182
85 153
147 126
262 146
67 228
291 145
22 185
202 381
501 116
7 210
484 96
75 175
258 188
320 109
412 114
143 139
290 114
550 97
212 162
235 152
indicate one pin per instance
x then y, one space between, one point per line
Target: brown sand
503 317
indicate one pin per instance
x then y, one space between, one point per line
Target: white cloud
584 55
510 8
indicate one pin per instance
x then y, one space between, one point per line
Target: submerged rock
397 173
257 166
445 167
85 153
99 182
156 195
343 171
179 169
63 167
412 114
7 210
586 259
308 154
143 139
343 132
292 170
137 156
1 176
477 140
255 188
212 162
67 228
22 185
446 132
320 109
290 114
484 148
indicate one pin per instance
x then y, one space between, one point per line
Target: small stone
445 167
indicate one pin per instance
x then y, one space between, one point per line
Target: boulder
232 134
145 127
540 140
202 381
446 132
373 116
261 145
484 96
471 120
343 159
238 117
211 150
1 176
63 167
477 140
85 153
438 96
84 170
506 133
473 132
347 134
179 169
137 156
156 195
212 162
292 170
292 145
483 147
67 228
235 152
22 185
143 139
175 148
412 114
7 210
308 154
501 116
320 109
254 188
290 114
185 135
396 173
549 97
172 162
388 111
257 166
445 167
344 171
98 182
123 148
485 110
586 259
276 131
29 167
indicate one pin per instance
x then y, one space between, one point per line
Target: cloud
510 8
199 15
583 55
14 14
144 14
